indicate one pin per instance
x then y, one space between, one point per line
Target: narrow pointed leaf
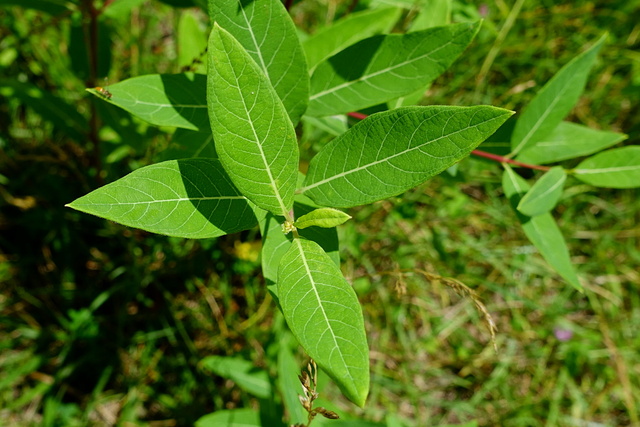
545 193
265 30
347 31
391 152
244 373
385 67
230 418
186 198
189 144
288 382
324 314
541 230
567 141
554 101
322 217
176 100
616 168
255 139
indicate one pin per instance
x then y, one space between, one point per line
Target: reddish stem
507 160
501 159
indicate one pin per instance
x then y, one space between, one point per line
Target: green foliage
103 324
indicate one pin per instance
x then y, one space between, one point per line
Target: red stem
501 159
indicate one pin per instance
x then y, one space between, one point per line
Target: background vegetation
101 324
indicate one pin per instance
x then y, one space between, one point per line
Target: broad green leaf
288 382
385 67
541 230
545 193
322 217
189 144
347 31
265 30
64 116
246 376
254 137
616 168
567 141
432 14
177 100
230 418
324 314
390 152
333 125
185 198
192 42
554 101
275 243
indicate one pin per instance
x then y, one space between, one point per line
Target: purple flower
562 334
483 10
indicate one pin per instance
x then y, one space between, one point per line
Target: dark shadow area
351 63
188 89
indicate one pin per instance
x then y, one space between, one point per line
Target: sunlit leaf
385 67
177 100
255 139
265 30
544 194
322 217
185 198
324 314
541 230
567 141
347 31
616 168
554 101
391 152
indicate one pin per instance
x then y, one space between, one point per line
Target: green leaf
254 137
554 101
567 141
545 193
347 31
267 32
275 243
390 152
192 41
231 418
177 100
188 144
616 168
288 382
541 230
185 198
246 376
385 67
324 314
432 14
322 217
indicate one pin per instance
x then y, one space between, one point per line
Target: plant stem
501 159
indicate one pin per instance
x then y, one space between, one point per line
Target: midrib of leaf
315 292
539 122
376 73
254 40
612 169
386 159
272 182
179 199
155 104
